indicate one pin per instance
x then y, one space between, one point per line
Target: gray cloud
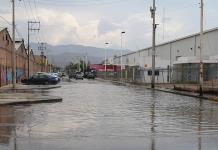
105 26
4 11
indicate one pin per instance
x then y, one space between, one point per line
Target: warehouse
186 69
169 52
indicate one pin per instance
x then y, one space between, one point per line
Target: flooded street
102 116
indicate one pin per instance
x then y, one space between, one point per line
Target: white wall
167 53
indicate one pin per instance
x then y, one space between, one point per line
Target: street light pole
105 61
201 48
83 64
28 51
153 10
121 57
79 64
13 59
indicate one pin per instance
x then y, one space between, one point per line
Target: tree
71 68
56 68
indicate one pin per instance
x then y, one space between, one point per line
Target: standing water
103 116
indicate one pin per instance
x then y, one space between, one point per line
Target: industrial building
168 53
21 60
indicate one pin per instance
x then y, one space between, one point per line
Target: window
35 76
42 76
157 73
7 39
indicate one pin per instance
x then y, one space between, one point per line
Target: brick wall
21 60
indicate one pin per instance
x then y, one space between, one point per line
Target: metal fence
189 73
136 75
179 74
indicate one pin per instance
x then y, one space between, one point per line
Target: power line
81 3
31 28
5 20
25 7
31 10
35 12
16 29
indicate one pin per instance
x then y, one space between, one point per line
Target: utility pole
121 57
42 48
77 62
83 64
79 65
86 59
105 61
31 28
201 48
13 60
153 10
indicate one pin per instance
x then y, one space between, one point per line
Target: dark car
41 79
90 76
72 75
79 76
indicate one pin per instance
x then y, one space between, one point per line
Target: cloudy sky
94 22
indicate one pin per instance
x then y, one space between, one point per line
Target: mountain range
61 55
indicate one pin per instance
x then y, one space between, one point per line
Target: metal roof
175 40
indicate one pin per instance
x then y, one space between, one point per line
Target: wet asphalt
97 115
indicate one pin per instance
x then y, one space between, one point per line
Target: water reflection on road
102 116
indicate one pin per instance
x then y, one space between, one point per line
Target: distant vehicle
79 76
41 78
90 75
55 75
71 76
61 74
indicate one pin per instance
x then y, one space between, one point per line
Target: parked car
41 79
55 75
90 75
71 76
79 76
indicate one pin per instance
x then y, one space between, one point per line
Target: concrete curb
27 94
188 94
35 101
28 88
39 88
179 93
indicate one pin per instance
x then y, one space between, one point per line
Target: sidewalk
169 88
27 94
186 93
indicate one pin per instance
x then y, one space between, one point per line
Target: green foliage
74 67
56 69
71 68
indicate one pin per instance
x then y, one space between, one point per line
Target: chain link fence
178 74
136 74
189 73
183 77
